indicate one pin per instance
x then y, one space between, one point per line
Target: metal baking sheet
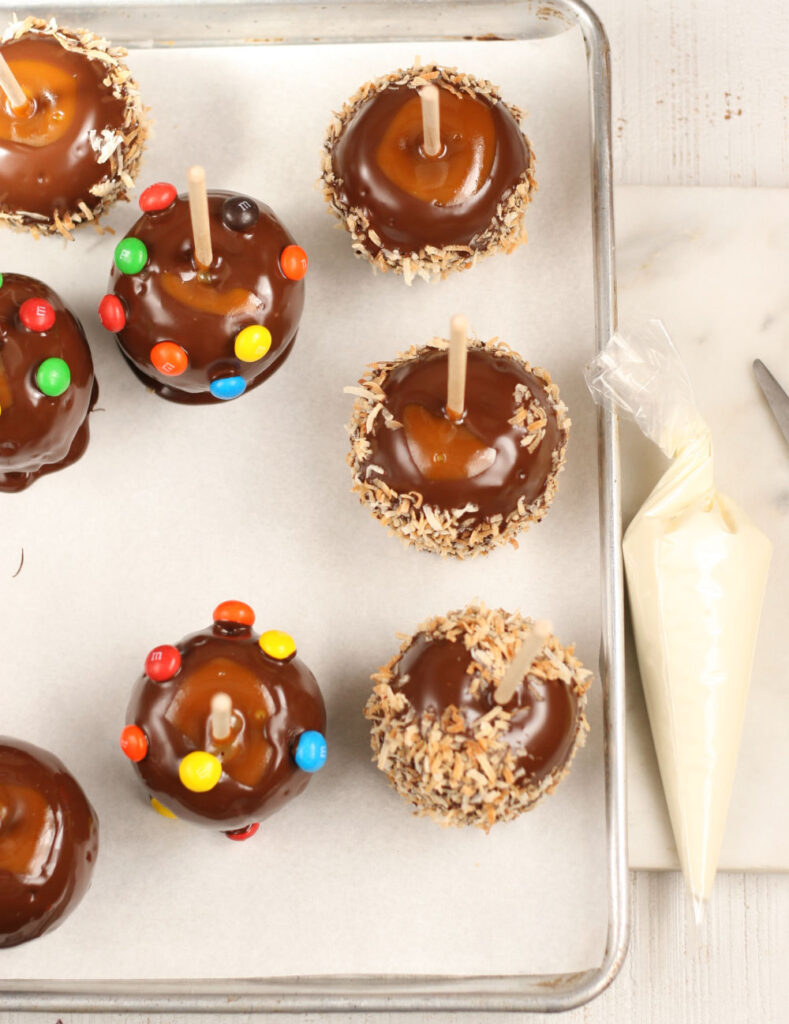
171 510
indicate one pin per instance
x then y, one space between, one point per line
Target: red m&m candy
37 314
112 313
158 197
162 663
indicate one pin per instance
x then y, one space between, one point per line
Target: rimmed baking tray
372 21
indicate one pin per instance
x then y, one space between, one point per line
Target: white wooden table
701 97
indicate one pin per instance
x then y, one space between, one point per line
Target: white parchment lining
173 509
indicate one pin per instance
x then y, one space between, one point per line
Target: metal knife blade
777 398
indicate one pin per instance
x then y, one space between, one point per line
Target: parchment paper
173 509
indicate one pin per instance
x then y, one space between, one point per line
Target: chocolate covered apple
478 716
47 387
206 293
71 127
457 475
428 170
49 838
226 725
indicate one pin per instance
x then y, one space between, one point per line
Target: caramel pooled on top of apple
423 215
76 147
457 487
443 740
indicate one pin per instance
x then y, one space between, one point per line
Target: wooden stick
431 122
10 86
221 716
456 374
198 209
530 647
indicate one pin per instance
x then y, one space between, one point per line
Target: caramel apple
457 481
420 209
71 130
197 327
47 387
49 838
227 725
478 716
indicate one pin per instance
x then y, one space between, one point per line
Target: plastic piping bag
696 570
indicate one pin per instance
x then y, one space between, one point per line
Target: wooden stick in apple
198 208
530 647
12 89
431 123
221 721
456 374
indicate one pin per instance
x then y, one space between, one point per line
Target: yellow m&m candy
277 644
253 343
200 771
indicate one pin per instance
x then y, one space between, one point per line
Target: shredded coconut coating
506 231
460 532
459 773
121 151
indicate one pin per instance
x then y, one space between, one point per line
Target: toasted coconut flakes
121 150
463 772
505 232
458 532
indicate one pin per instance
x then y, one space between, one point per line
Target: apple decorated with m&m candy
47 387
227 725
201 332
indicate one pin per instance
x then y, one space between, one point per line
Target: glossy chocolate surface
47 163
412 200
170 300
48 842
490 402
39 434
274 702
544 713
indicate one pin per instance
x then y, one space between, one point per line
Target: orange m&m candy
293 262
169 358
234 611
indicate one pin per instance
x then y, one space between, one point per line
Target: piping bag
696 570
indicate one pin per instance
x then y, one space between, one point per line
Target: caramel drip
245 753
27 830
206 298
443 450
462 165
52 101
5 388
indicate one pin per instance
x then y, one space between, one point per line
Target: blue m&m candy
311 751
227 387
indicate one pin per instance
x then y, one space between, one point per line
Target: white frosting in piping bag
696 571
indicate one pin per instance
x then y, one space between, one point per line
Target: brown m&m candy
48 842
227 725
71 127
457 481
420 209
207 328
47 387
478 716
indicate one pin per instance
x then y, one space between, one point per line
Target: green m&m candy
53 377
130 255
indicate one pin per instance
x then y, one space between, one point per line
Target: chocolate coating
48 842
274 702
404 221
39 434
245 284
435 675
491 381
57 177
